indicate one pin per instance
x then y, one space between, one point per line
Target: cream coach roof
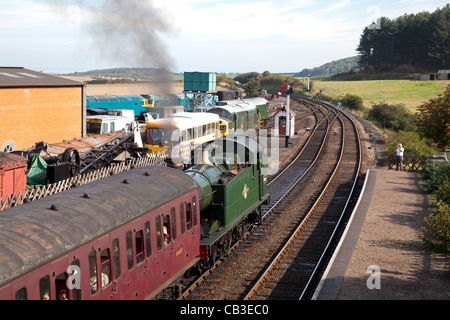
183 120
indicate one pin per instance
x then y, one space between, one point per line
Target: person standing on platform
399 155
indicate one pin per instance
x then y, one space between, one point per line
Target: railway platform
381 256
334 275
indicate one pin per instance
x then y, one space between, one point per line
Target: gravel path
390 240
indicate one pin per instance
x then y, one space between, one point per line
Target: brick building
35 106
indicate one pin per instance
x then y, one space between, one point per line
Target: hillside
128 73
337 66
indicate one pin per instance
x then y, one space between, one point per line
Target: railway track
294 267
281 218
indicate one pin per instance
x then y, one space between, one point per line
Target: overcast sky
188 35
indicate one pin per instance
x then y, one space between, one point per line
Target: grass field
411 93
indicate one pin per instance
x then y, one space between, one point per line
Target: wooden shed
35 106
280 122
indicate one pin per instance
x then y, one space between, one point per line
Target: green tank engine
232 176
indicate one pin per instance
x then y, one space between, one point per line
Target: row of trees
420 41
253 81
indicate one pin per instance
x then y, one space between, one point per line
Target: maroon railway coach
127 236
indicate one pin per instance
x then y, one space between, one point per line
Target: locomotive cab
232 177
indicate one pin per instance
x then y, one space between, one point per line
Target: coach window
130 257
190 136
93 281
188 216
21 294
204 129
182 218
139 241
194 133
194 209
104 128
148 241
44 288
166 230
159 241
116 258
105 261
60 287
173 218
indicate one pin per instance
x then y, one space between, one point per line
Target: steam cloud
128 32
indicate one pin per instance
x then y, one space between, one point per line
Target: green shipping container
200 81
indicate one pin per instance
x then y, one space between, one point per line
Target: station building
35 106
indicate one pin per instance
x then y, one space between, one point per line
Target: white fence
156 159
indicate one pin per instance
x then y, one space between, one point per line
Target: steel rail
343 211
306 218
203 276
282 251
279 174
300 178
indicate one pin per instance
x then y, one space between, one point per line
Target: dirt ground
390 240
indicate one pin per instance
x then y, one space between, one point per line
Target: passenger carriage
127 236
240 116
182 132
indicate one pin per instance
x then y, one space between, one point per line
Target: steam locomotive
133 235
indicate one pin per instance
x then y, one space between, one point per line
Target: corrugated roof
21 77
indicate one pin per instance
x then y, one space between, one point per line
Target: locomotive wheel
226 242
214 255
239 232
71 156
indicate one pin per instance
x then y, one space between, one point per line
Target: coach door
58 280
137 264
101 280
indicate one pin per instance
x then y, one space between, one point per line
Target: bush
437 178
392 116
247 77
411 141
437 233
251 88
353 102
274 82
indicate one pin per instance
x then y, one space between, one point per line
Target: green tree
251 88
419 40
433 119
247 77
